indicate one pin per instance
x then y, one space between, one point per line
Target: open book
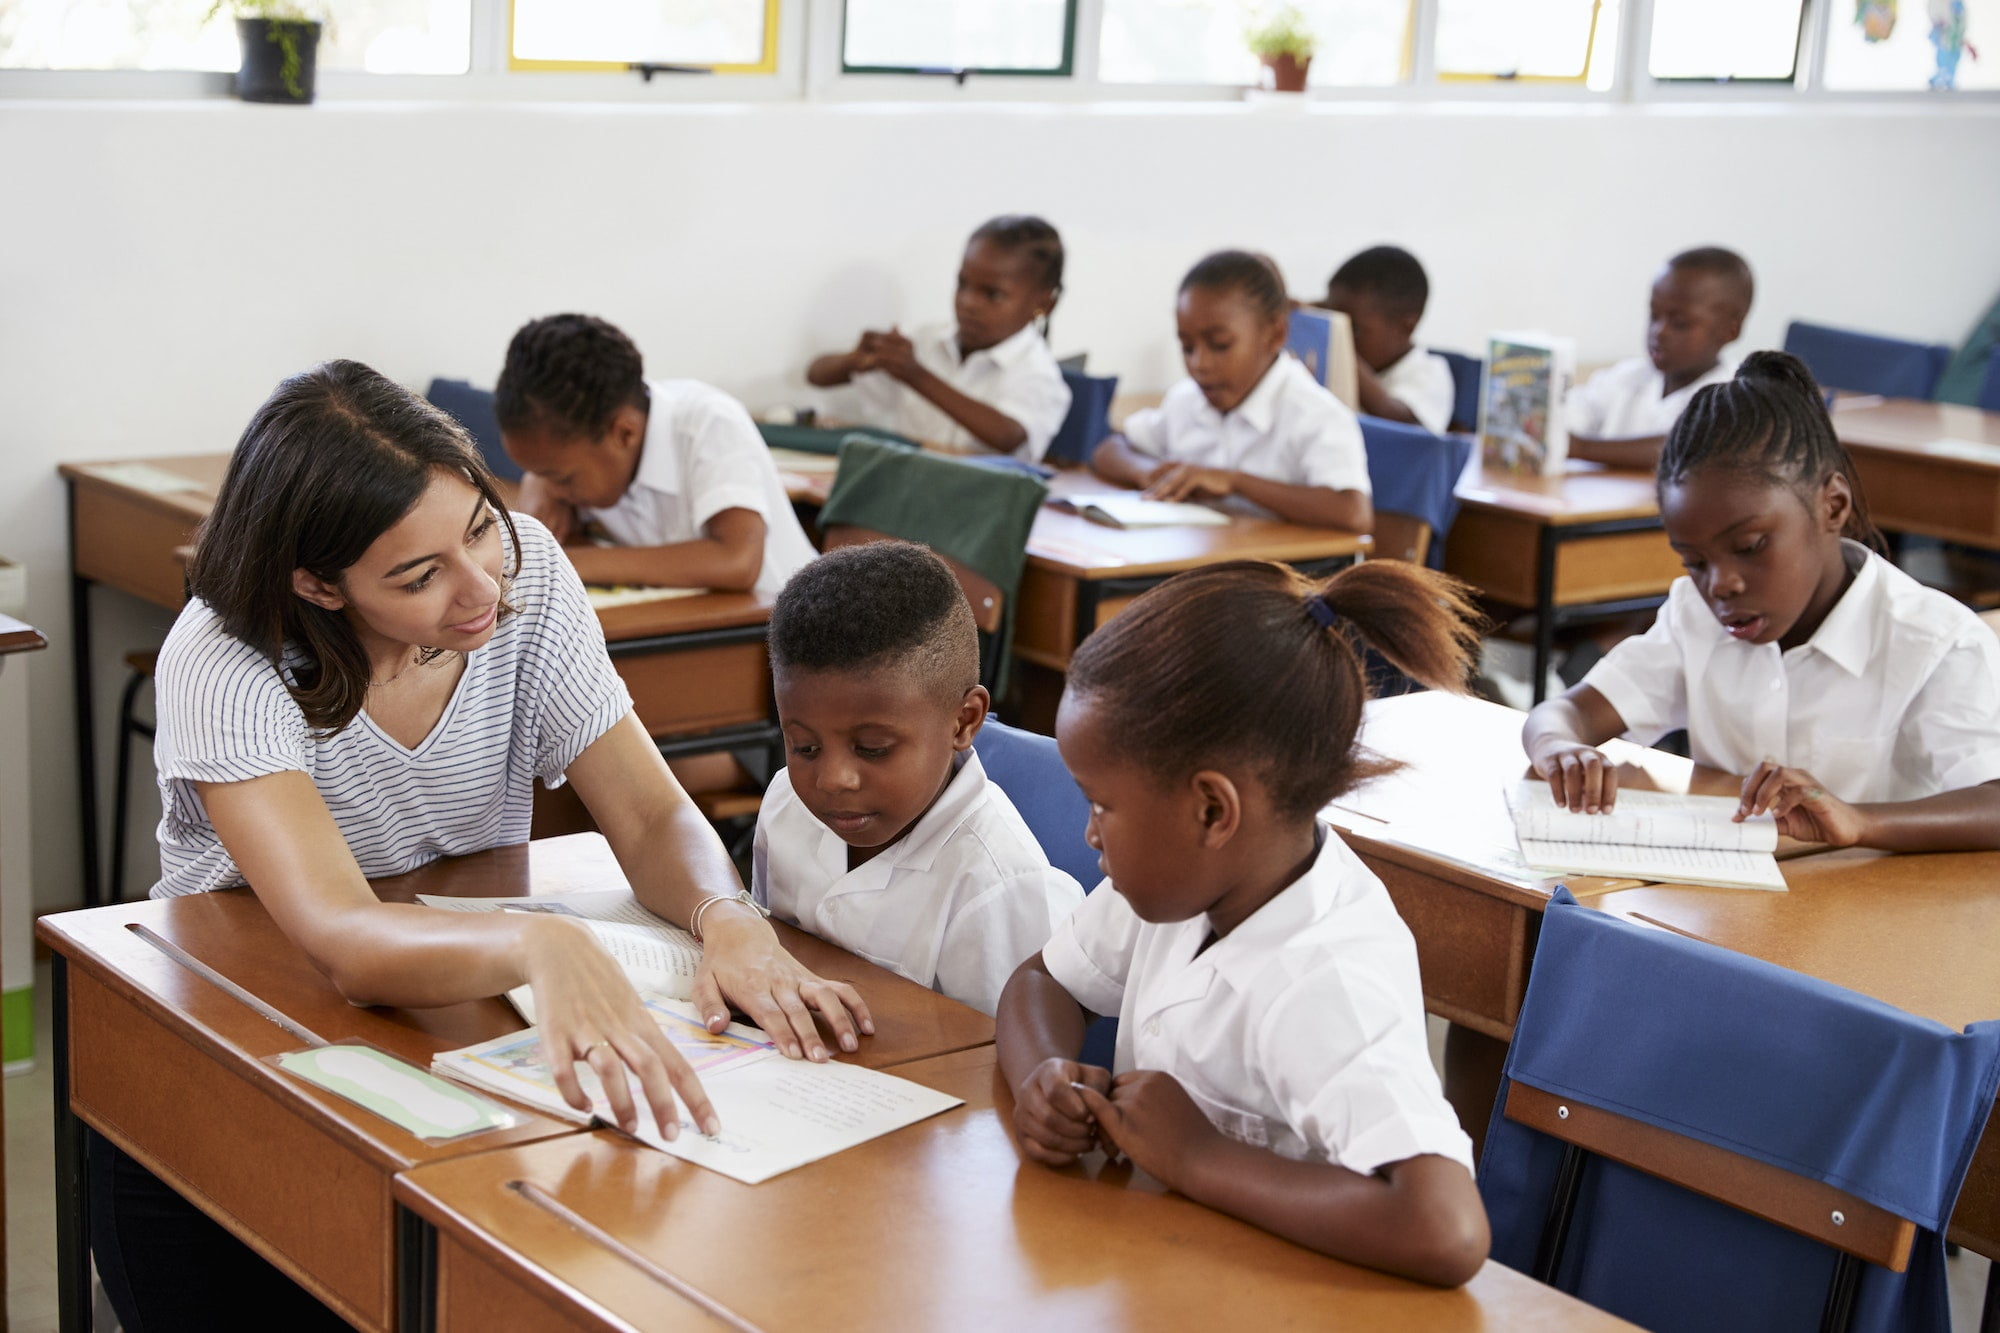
776 1113
624 594
1126 510
1647 835
658 956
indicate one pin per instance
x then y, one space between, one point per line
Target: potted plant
280 41
1285 44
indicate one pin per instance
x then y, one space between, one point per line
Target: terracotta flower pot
1288 73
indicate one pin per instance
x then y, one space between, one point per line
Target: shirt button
1153 1027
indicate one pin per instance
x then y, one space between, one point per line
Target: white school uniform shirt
1421 380
1289 429
703 455
528 703
1301 1031
956 904
1895 697
1628 400
1018 376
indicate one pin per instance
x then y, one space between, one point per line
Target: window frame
1065 70
515 64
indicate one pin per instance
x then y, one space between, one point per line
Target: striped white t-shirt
528 703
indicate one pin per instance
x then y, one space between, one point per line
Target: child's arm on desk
728 557
1039 1029
1315 506
1377 401
1641 452
1116 460
1420 1218
1967 820
1561 737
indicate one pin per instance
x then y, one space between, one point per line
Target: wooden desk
1583 545
170 1068
939 1225
1912 486
1917 932
696 666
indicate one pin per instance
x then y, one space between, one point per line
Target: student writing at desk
1864 707
988 383
376 665
1248 425
1271 1054
673 470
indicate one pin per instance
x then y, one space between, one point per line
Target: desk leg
416 1273
1472 1066
73 1296
86 730
1545 613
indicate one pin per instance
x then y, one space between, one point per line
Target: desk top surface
938 1225
1920 932
232 933
1902 425
1583 493
18 636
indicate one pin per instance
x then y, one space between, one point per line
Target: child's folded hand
1149 1117
1049 1112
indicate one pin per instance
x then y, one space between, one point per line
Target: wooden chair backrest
1810 1207
982 592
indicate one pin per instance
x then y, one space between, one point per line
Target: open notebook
1647 835
1117 509
625 595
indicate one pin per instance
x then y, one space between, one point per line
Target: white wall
162 265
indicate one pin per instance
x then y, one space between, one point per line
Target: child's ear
628 430
1218 806
318 591
972 710
1836 504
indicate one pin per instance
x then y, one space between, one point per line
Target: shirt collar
1260 405
659 461
918 849
1847 636
1008 352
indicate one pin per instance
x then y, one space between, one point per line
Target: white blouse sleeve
1953 723
1090 954
224 714
1645 677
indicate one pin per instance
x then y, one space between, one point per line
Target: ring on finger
601 1041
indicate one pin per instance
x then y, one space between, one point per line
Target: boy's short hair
1389 274
886 604
1731 267
568 375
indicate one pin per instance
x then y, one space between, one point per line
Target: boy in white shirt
1622 414
883 834
1383 292
673 471
1249 426
987 383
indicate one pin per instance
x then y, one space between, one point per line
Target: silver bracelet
740 896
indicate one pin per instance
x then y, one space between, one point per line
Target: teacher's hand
743 964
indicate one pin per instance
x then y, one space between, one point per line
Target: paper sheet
1670 865
1125 510
1642 818
657 955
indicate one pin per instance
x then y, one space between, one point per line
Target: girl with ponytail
1863 707
1271 1060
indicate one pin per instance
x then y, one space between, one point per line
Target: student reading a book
1248 426
376 665
1621 414
673 471
1863 707
1383 291
882 833
989 382
1271 1059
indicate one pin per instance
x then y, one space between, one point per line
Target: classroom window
1941 45
1540 41
723 36
953 36
374 36
1725 39
1361 43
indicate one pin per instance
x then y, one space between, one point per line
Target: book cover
1521 426
1323 341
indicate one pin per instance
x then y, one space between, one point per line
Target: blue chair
1866 363
1028 768
1989 392
1690 1138
1466 373
1089 419
1414 475
473 409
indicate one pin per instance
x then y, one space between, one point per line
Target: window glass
1725 39
1886 46
1522 39
1360 43
376 36
904 36
726 35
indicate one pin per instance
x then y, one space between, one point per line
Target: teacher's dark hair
334 458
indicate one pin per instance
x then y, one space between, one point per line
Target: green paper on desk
420 1102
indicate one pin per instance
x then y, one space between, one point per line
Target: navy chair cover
1414 472
1753 1058
1466 372
1089 419
473 409
1989 392
1867 363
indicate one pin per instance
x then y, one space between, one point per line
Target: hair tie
1324 614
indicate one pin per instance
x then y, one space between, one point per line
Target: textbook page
657 955
1642 818
1666 865
776 1114
1123 510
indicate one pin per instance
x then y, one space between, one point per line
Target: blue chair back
1466 372
473 409
1989 392
1630 1035
1867 363
1089 419
1030 770
1415 474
